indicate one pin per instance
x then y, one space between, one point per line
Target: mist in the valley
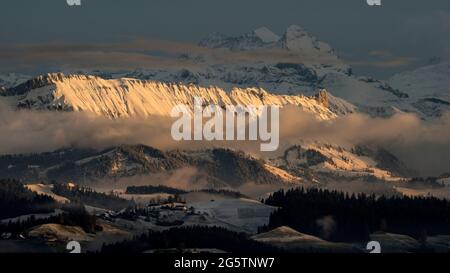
186 178
423 146
327 224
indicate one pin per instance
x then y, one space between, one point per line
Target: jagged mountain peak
296 30
42 81
297 39
259 38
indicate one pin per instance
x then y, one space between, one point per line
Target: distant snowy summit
259 38
295 39
11 79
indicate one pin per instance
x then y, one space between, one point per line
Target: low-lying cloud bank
148 54
423 146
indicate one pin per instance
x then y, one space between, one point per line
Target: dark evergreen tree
357 216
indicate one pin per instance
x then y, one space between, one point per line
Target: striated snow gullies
125 97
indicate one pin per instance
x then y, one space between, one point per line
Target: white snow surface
242 213
12 79
428 88
266 35
428 81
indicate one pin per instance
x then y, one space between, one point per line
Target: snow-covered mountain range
300 82
315 64
295 39
293 63
116 98
10 80
306 164
204 168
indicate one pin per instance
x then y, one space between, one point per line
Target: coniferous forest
355 217
90 197
16 200
73 215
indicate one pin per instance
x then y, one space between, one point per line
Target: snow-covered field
246 214
237 214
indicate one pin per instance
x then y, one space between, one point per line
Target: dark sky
377 40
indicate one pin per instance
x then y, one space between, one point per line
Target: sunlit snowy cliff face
117 98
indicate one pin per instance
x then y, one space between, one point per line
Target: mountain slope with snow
428 81
12 79
297 39
339 161
125 97
202 168
428 87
